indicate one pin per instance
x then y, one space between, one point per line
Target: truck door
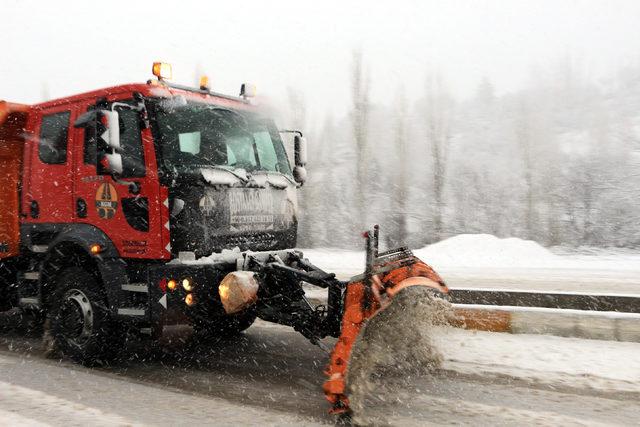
49 192
126 209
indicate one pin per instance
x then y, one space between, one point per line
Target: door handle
81 208
34 209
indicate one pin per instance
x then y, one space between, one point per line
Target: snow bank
485 250
464 250
336 260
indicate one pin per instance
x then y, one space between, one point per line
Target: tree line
555 162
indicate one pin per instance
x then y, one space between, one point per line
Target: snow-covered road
272 376
36 392
39 392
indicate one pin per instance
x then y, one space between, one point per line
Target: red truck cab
105 191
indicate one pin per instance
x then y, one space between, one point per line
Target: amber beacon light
162 70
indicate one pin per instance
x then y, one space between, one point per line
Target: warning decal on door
106 201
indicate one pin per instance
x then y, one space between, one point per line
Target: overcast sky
79 45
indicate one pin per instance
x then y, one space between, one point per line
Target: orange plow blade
367 296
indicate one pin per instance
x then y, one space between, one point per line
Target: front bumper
169 306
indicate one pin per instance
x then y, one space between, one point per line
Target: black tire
8 299
81 326
7 302
224 327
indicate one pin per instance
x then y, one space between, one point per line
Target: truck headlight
238 290
187 284
189 300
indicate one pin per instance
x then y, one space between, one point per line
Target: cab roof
152 88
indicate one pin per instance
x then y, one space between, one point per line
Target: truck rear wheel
8 299
80 322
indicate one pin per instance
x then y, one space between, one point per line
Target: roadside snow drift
485 250
464 250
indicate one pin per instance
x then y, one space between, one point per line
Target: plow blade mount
367 296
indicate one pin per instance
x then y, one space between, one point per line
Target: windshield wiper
244 178
277 173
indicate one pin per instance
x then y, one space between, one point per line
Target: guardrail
561 300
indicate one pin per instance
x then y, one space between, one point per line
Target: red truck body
103 191
49 192
14 117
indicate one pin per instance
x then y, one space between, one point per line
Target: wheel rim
76 317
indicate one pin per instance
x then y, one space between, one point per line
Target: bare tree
438 116
297 115
401 193
524 138
360 86
297 107
297 119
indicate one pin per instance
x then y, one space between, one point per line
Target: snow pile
464 250
336 260
485 250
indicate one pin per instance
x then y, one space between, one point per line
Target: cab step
40 249
132 311
136 287
31 275
29 302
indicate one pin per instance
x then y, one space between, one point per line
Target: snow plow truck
131 208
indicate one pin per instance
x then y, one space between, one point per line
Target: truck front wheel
80 323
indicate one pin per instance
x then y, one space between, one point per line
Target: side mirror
110 164
300 174
107 126
104 126
108 129
300 159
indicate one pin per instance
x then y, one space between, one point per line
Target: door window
131 144
52 147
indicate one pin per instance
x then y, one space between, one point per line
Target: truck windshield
198 135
